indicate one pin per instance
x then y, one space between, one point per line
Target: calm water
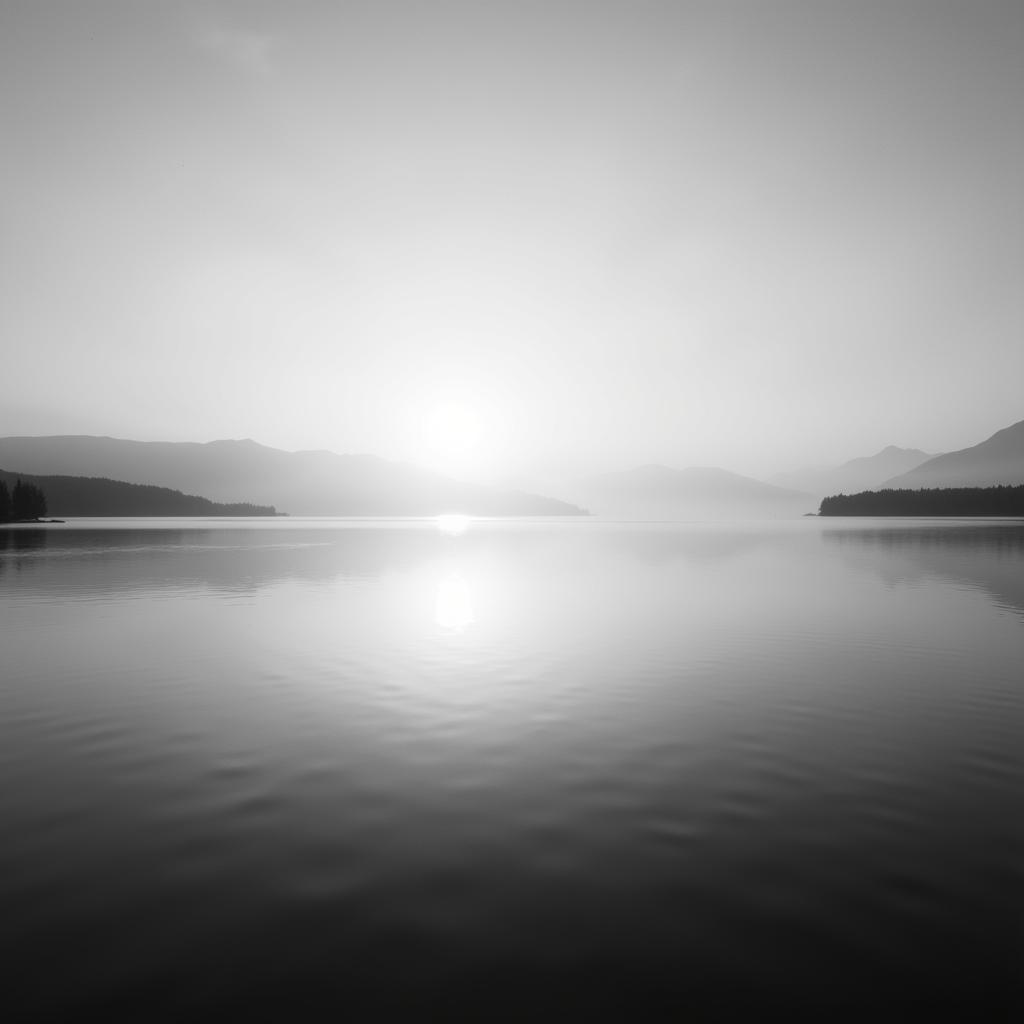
354 767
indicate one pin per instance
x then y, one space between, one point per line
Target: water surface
512 768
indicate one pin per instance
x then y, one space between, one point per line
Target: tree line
25 501
930 501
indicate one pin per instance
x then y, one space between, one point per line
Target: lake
341 769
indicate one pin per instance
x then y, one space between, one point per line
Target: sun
452 436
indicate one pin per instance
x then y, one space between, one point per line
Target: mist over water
522 767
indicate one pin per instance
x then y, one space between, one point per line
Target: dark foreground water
348 770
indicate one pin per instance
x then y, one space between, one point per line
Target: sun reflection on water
453 609
453 525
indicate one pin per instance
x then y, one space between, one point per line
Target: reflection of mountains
988 557
85 562
101 561
691 544
22 538
18 540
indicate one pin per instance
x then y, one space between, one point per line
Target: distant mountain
93 496
314 482
998 460
863 474
661 492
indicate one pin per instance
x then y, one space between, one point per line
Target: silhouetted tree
28 501
5 502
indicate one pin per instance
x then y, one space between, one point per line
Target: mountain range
92 496
997 460
310 482
861 474
324 483
657 492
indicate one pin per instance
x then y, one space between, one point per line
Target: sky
518 240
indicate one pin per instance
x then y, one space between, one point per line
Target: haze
518 239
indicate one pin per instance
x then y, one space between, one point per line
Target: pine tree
28 501
37 504
5 502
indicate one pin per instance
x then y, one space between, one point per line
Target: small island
936 501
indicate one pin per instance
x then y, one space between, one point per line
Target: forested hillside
97 496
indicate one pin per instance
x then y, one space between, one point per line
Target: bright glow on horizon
511 243
453 525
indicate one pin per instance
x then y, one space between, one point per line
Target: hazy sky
515 238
